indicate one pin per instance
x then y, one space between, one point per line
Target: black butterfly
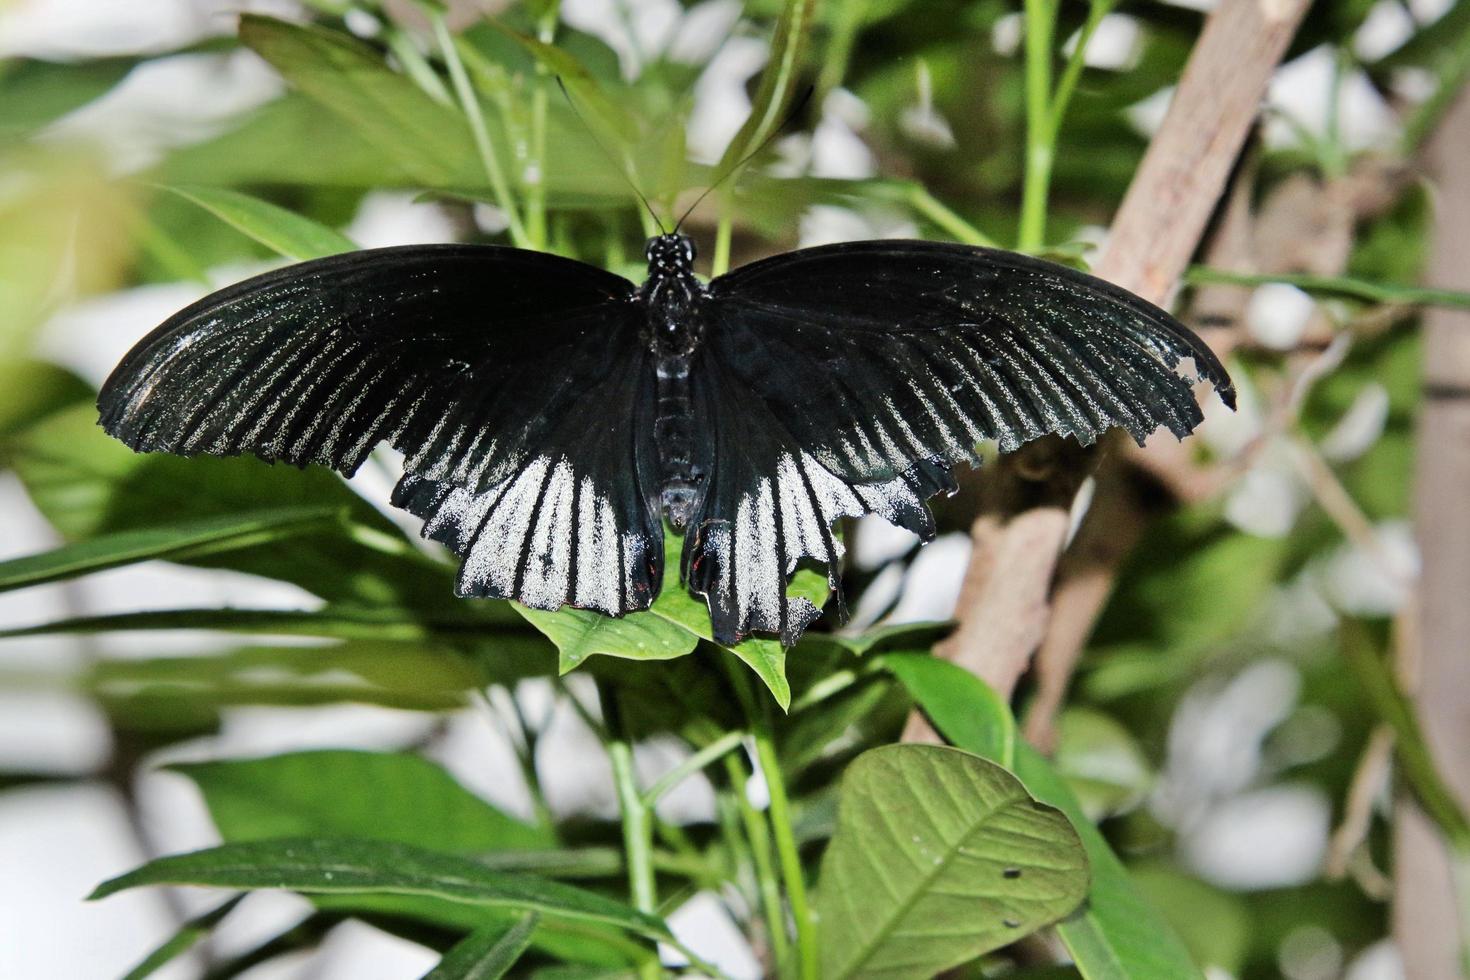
550 411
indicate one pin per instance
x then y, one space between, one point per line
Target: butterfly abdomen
673 433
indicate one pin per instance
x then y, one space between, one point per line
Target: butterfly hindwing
515 383
578 523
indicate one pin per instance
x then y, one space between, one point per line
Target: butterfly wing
479 363
861 373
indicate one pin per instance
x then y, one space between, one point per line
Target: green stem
536 177
786 849
1040 21
720 263
758 833
1372 292
416 66
691 765
637 839
1067 84
470 105
950 223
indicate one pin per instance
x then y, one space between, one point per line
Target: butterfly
551 414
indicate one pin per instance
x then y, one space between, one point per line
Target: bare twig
1004 610
1424 915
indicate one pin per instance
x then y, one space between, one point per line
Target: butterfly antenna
730 171
618 165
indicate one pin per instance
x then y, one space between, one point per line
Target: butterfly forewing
879 355
511 380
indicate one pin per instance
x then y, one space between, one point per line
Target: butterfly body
551 414
672 297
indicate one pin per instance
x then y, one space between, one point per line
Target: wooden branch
1424 919
1163 215
1004 607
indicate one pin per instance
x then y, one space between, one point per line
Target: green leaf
582 633
486 954
959 704
591 100
413 676
1102 763
340 793
426 139
179 541
671 628
284 232
87 484
333 866
1371 292
336 622
778 80
939 856
31 390
1117 935
186 938
34 93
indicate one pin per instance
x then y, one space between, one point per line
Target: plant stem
720 263
952 224
1040 22
758 833
1067 84
535 176
1372 292
416 66
691 765
637 839
470 104
786 849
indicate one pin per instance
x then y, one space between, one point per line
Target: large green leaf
384 624
178 541
1116 934
339 793
87 484
427 139
939 856
342 865
487 953
284 232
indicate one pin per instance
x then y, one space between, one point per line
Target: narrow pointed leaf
284 232
486 954
182 540
186 938
427 139
327 866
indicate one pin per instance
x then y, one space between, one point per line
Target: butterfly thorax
673 297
